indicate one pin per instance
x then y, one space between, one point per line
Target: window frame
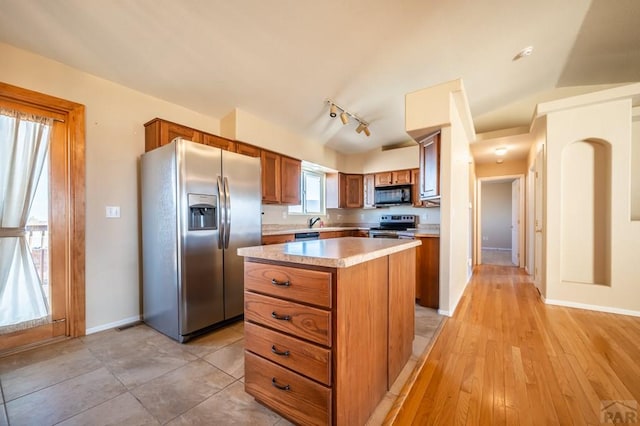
303 194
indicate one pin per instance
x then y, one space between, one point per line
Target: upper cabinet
290 179
248 150
429 183
344 191
280 174
280 178
160 132
396 177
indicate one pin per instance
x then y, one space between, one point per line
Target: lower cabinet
314 352
428 272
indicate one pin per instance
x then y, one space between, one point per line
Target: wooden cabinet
344 191
360 233
277 239
428 272
291 170
313 350
248 150
159 132
396 177
271 176
429 182
415 189
280 178
369 184
218 142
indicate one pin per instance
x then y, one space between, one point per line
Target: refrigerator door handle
227 226
222 215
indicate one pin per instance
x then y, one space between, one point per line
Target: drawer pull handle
275 384
277 352
280 283
280 317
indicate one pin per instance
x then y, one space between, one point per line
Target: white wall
114 142
635 165
496 215
609 121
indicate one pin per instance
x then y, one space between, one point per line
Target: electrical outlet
284 215
485 238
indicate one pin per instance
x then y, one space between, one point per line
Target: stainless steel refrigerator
198 205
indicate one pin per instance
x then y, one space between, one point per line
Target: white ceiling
281 60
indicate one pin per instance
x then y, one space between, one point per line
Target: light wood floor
507 358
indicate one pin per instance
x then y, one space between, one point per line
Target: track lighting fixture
344 117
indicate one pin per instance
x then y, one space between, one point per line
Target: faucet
312 221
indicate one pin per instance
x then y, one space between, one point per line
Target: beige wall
114 142
635 165
508 168
610 122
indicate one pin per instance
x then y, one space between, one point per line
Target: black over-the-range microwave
392 195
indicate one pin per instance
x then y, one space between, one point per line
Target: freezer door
244 223
201 286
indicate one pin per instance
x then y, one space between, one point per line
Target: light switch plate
112 211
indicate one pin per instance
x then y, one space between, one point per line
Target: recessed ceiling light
527 51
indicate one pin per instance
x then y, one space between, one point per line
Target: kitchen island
329 325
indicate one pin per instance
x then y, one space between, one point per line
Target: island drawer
301 321
301 285
294 396
305 358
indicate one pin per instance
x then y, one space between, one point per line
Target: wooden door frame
74 183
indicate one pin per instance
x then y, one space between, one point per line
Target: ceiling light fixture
344 116
527 51
501 151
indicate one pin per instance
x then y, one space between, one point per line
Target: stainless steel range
390 225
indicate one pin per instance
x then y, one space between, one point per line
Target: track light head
344 117
360 128
333 111
367 131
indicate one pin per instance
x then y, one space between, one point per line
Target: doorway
42 227
500 239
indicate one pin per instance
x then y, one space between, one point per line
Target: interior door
515 222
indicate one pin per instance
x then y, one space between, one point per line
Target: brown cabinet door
160 132
382 179
246 149
290 180
415 188
430 167
169 131
218 142
368 191
271 176
428 272
401 177
277 239
354 191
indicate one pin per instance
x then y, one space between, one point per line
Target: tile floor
138 376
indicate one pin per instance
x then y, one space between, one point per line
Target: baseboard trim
443 312
113 324
598 308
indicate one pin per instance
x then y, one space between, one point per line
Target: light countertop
324 229
332 252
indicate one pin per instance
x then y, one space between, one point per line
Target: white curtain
24 141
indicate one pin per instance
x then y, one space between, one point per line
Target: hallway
507 358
